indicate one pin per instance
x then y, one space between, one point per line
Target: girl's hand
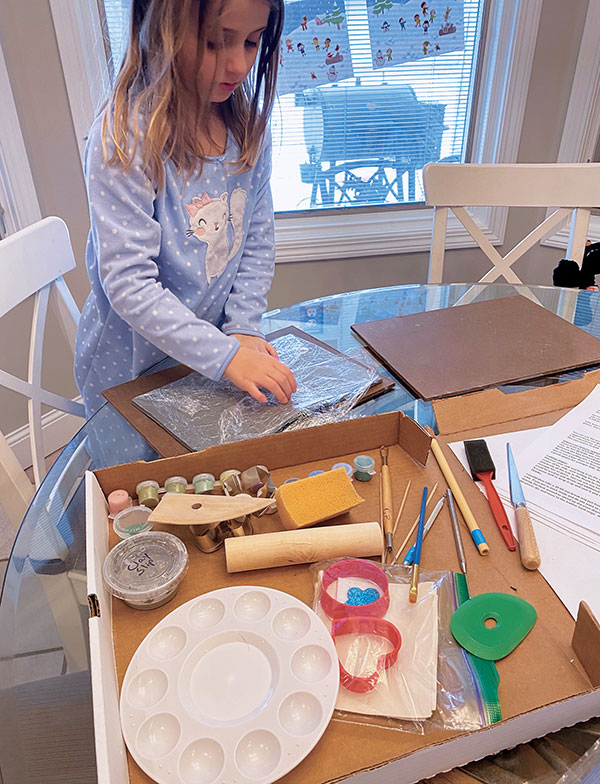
256 343
251 368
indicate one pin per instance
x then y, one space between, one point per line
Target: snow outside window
369 92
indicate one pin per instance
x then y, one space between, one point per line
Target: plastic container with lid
146 570
176 484
133 520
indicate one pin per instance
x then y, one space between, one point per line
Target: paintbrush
386 503
414 578
414 526
483 469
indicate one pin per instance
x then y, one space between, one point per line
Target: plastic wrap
431 684
199 412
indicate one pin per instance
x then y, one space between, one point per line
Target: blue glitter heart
360 596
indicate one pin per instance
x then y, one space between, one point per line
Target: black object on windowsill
569 275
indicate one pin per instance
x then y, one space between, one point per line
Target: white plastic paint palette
235 686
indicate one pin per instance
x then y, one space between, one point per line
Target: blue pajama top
174 273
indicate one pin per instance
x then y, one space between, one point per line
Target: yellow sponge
316 498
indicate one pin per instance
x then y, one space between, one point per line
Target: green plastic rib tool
511 620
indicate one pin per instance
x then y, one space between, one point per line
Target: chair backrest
32 263
572 188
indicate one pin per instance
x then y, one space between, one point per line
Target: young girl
180 253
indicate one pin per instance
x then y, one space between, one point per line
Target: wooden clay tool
283 548
483 469
476 534
190 509
386 504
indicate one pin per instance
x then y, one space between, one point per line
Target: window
376 223
376 91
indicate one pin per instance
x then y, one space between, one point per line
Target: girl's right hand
250 370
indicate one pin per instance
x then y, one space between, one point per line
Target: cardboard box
543 685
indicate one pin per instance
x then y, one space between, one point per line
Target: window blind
369 92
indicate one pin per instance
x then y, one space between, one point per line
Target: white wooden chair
573 189
32 263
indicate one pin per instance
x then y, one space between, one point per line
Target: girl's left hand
256 343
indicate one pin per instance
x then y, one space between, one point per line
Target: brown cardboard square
454 350
121 396
543 686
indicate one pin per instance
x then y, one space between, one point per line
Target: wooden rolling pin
284 548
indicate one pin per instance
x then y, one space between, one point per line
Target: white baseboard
57 430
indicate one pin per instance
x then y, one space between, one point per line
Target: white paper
408 689
565 516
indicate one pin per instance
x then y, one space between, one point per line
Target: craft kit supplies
379 600
315 499
191 509
146 570
416 561
255 481
385 490
176 484
203 483
413 528
131 521
314 473
376 626
428 523
528 549
430 684
284 548
236 685
147 493
364 468
476 534
491 625
483 469
399 515
226 474
457 537
347 468
118 500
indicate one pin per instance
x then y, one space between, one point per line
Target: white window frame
319 235
17 188
582 121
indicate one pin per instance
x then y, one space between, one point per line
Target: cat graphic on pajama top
208 223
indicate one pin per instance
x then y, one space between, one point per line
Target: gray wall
33 62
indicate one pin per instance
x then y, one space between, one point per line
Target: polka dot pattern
150 297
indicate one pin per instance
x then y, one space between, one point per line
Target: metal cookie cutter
257 482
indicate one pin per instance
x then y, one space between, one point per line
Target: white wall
29 44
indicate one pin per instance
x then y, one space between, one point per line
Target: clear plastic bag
431 684
200 412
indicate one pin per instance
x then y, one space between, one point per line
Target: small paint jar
118 500
316 473
176 484
203 483
346 466
147 493
364 468
131 521
146 570
291 479
230 472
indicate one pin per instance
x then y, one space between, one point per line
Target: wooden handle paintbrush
386 504
476 534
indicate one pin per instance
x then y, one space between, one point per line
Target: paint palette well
237 685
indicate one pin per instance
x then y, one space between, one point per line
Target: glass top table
46 729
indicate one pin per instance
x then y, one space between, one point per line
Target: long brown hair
149 90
